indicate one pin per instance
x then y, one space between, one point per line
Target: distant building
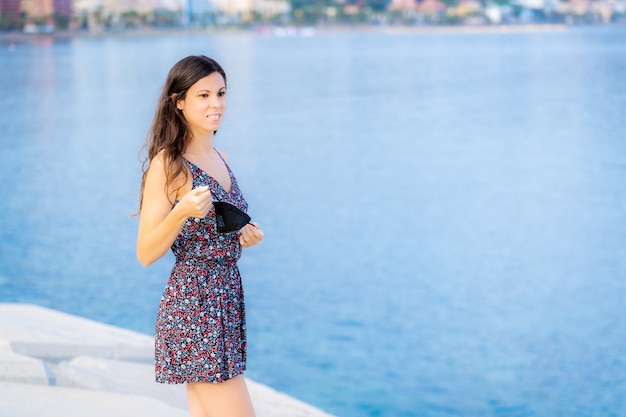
403 5
118 7
432 9
62 7
196 10
270 8
10 10
234 6
37 10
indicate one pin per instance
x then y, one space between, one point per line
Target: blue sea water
444 212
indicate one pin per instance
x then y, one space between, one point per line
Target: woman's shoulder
159 158
162 158
157 162
162 164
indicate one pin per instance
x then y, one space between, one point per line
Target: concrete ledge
20 368
20 400
54 364
105 375
55 327
60 351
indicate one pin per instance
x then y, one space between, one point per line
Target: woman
200 329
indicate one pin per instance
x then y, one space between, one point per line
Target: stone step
54 364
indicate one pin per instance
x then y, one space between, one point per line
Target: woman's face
204 104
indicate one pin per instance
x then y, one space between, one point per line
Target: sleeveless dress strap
222 158
190 166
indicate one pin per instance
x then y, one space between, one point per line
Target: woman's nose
216 101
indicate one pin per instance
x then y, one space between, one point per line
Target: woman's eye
204 95
221 94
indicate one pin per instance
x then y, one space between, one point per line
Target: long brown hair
169 131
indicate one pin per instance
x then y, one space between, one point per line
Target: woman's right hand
197 202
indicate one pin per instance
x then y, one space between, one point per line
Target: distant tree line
320 11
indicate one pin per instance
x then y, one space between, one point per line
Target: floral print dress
200 327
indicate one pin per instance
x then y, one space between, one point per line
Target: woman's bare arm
159 221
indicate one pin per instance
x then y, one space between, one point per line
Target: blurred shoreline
282 31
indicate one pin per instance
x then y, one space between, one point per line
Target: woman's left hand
251 234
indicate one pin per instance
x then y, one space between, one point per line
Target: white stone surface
122 377
54 364
20 368
27 400
50 334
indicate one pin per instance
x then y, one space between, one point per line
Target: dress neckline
230 174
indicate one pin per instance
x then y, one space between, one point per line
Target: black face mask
229 218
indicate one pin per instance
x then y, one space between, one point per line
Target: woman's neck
201 146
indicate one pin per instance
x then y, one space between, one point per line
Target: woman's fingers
251 234
200 201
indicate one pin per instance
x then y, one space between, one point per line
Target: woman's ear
180 103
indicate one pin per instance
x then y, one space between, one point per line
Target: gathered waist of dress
208 261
